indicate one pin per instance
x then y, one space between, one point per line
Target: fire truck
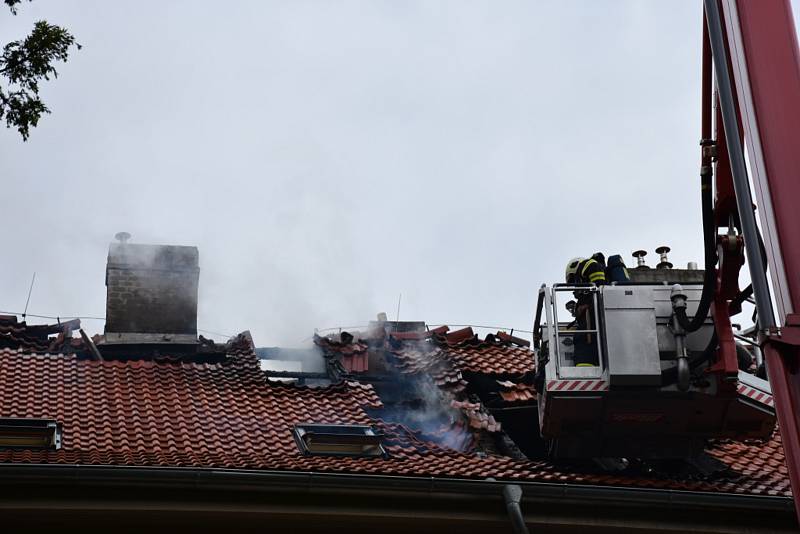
667 377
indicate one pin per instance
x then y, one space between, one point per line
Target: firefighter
585 271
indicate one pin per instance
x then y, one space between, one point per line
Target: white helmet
572 269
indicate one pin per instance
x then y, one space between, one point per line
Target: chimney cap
122 237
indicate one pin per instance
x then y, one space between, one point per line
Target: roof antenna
397 317
30 290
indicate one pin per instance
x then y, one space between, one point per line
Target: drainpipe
512 494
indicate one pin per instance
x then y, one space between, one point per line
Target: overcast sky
327 156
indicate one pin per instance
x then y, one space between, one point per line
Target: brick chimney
151 293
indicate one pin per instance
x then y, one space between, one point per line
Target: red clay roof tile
516 393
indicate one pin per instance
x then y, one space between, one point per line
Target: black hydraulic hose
741 185
710 245
537 327
512 494
670 376
747 292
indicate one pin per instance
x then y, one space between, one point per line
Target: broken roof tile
516 393
352 354
457 336
412 334
503 336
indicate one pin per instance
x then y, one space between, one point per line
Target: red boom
765 68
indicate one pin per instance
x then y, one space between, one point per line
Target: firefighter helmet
572 269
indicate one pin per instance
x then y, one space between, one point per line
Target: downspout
512 494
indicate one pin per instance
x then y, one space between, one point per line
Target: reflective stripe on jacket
590 271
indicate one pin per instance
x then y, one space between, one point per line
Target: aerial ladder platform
655 392
667 376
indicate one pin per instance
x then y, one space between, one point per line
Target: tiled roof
145 413
762 466
148 413
464 351
491 358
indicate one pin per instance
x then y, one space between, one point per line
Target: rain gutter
253 480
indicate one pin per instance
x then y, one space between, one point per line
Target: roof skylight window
28 433
339 440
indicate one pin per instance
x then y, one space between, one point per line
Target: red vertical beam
767 73
766 67
727 363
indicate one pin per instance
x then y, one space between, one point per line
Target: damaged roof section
59 337
420 375
497 355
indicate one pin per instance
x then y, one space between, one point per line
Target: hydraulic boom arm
757 72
